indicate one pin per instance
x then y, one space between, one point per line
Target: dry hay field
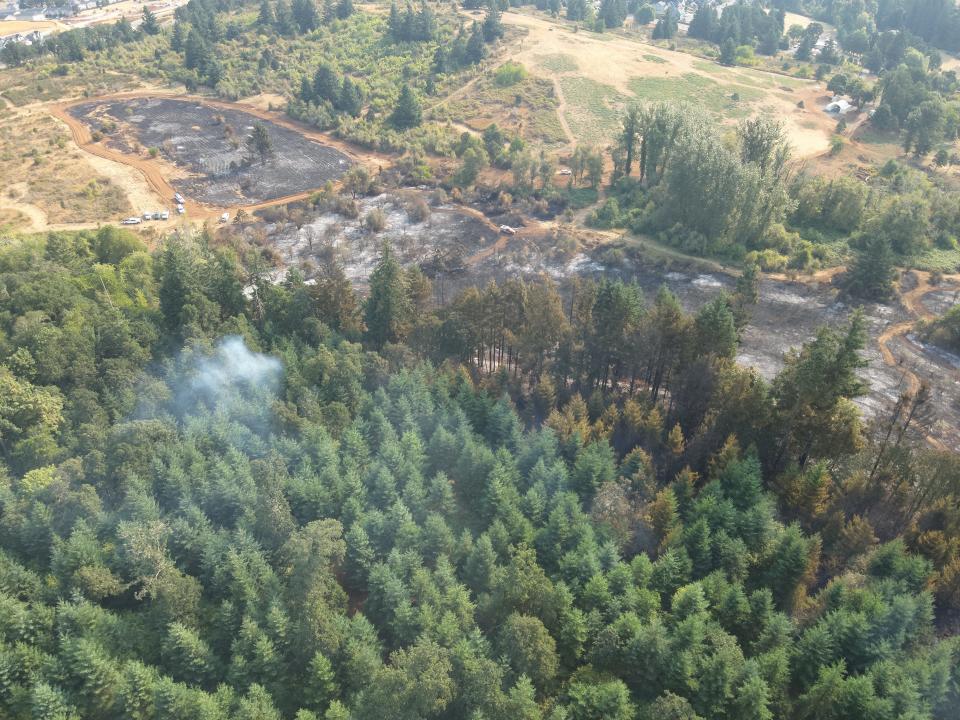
596 75
11 27
47 182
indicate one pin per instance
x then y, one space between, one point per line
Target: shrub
418 210
376 220
744 55
347 207
606 216
767 260
510 73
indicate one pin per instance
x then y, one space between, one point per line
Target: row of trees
920 102
410 27
740 24
933 21
72 46
340 94
749 201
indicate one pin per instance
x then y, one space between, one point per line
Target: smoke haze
233 367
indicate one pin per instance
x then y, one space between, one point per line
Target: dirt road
912 301
38 218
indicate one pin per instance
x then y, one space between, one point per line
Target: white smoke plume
233 366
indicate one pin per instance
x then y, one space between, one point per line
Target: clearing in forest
596 75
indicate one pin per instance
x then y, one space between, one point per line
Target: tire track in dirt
152 170
34 215
561 110
912 301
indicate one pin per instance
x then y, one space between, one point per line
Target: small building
839 107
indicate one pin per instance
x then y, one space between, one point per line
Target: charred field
209 145
459 247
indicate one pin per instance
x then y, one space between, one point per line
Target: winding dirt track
561 114
912 301
38 218
153 170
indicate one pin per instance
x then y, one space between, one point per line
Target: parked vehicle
225 217
130 221
180 210
147 216
507 230
164 214
178 198
564 171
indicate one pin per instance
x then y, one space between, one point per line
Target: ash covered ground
210 143
457 249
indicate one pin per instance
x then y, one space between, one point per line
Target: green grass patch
655 59
754 77
582 197
712 68
593 109
869 134
546 128
532 96
557 63
700 91
937 260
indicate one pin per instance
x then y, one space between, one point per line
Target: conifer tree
407 113
150 25
266 19
387 311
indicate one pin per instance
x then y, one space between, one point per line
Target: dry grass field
48 182
10 27
596 75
